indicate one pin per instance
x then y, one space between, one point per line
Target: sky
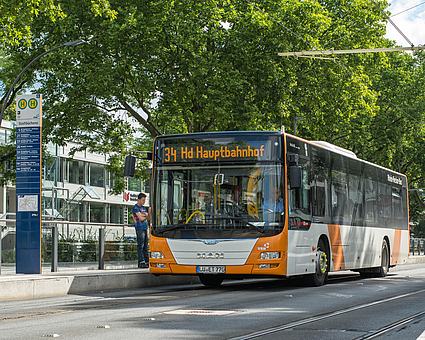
411 22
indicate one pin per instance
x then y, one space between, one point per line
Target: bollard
54 249
101 248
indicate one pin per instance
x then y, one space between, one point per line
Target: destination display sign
28 184
213 150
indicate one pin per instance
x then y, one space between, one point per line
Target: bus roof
335 148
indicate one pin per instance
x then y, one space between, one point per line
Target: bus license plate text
210 269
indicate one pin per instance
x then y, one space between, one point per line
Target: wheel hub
323 262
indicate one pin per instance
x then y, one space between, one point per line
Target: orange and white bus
269 204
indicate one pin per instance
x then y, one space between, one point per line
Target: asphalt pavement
87 278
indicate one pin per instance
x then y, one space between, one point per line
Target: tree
16 17
190 66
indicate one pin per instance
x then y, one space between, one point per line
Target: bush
8 256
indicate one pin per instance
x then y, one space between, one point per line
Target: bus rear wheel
322 267
211 280
382 271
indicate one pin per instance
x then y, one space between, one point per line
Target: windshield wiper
236 218
178 226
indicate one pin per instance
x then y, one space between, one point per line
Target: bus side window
299 199
339 194
370 198
319 184
384 204
355 192
397 208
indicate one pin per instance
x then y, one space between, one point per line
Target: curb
45 285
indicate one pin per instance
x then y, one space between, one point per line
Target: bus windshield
218 201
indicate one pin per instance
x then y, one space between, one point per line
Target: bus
230 205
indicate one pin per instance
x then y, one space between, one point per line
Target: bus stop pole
101 248
54 267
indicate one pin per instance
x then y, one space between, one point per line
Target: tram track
393 326
371 335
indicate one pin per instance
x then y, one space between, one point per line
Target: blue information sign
28 184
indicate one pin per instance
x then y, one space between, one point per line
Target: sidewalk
81 278
85 278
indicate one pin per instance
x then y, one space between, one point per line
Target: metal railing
53 225
417 246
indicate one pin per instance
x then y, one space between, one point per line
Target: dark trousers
142 246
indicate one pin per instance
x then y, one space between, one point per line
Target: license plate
211 269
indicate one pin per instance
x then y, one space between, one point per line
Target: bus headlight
156 255
269 255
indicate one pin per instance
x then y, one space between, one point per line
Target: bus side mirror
295 176
129 166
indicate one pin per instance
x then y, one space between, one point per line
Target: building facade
76 189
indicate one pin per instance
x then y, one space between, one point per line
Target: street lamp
295 124
68 44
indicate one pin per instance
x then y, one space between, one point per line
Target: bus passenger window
370 214
299 200
355 194
319 184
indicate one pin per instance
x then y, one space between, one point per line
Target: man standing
141 217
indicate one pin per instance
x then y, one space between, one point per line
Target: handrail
194 213
159 215
54 227
79 223
177 218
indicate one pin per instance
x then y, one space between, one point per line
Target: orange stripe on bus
336 245
396 246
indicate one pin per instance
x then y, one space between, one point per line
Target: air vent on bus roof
335 148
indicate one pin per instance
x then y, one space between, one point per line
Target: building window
116 213
147 188
97 175
76 172
76 212
96 212
2 136
134 184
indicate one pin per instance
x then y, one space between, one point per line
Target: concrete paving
81 279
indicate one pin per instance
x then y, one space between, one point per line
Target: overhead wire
408 9
392 23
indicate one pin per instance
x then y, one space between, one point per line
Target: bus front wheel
322 267
211 280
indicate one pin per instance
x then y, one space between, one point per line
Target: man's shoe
144 265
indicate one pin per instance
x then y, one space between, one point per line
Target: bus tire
382 271
322 266
211 280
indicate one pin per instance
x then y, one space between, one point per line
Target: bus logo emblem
210 242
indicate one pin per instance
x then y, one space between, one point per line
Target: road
348 307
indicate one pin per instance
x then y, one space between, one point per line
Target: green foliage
16 17
7 163
8 256
174 67
419 229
